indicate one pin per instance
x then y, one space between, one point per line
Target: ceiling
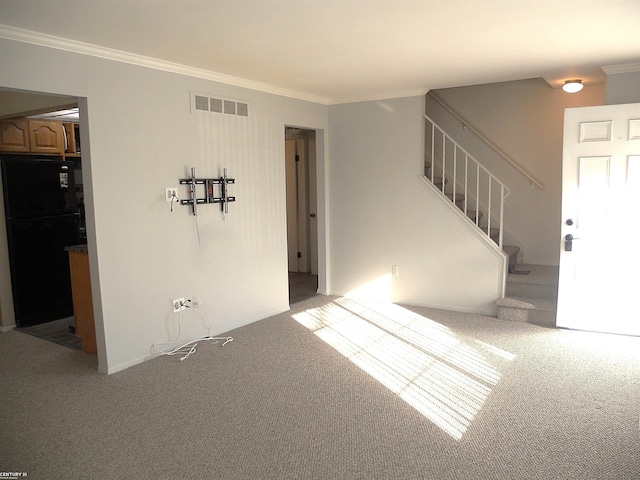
336 51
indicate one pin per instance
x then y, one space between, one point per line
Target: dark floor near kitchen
302 286
59 331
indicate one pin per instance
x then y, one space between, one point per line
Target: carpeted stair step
459 199
539 311
542 282
532 297
494 233
437 181
472 215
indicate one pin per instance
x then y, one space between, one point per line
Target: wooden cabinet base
82 300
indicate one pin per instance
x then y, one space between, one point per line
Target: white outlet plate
170 192
178 304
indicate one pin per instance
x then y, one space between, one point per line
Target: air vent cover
230 107
216 105
243 109
201 102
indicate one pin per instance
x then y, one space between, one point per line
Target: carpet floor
333 389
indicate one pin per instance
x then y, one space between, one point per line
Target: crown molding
625 68
417 92
59 43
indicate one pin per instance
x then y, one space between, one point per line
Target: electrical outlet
394 270
170 193
178 304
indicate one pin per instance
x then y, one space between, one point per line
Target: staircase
530 298
531 290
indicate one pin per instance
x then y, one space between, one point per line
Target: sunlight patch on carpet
445 378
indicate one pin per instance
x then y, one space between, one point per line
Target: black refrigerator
42 219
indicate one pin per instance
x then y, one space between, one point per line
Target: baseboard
490 312
111 369
7 328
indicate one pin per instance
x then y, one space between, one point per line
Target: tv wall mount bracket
210 191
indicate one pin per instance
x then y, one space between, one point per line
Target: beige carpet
341 391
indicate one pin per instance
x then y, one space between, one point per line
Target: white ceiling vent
206 103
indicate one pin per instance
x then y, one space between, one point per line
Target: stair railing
472 185
465 125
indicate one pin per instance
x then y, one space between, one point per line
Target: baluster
444 158
466 185
500 238
455 170
477 186
489 208
433 146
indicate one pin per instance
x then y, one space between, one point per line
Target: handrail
437 132
465 124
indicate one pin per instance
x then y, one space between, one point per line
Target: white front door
599 255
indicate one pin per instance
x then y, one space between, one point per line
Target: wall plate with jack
178 304
170 193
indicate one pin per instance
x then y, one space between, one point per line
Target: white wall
383 214
623 87
525 119
141 137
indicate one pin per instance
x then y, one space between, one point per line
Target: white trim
490 312
111 369
625 68
74 46
42 39
416 92
7 329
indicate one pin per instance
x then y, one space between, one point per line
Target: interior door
297 205
313 206
599 259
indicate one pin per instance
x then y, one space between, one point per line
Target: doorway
302 203
35 306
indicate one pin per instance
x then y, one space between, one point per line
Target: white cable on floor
189 347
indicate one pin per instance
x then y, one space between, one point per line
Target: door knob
569 222
568 242
312 215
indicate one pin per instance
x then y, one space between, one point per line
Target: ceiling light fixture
572 86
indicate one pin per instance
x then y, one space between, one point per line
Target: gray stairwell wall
383 214
525 119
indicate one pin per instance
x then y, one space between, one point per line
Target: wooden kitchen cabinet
82 299
14 136
46 137
32 136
